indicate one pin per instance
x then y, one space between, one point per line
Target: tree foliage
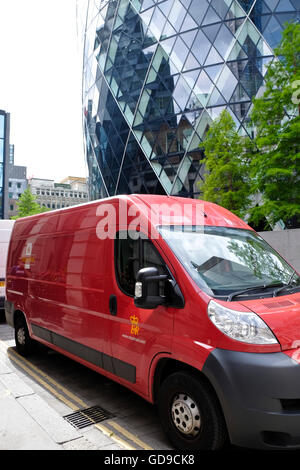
275 168
227 164
27 205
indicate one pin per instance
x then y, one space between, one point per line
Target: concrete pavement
28 422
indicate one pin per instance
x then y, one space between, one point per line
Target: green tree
27 205
226 162
275 167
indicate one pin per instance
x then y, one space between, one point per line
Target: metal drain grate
83 418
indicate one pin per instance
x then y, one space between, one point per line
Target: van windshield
230 263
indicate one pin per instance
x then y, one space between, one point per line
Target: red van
178 300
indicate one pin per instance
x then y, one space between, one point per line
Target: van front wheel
24 344
190 413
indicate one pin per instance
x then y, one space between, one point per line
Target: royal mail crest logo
134 325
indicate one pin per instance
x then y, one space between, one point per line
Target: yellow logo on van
134 325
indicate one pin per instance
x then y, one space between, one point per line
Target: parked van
5 232
177 299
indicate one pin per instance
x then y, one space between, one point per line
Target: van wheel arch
167 366
18 314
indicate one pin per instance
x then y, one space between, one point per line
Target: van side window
131 256
127 263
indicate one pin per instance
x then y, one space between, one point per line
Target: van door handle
113 305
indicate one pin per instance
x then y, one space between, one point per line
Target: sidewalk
27 422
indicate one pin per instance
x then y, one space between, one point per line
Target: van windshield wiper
285 286
244 291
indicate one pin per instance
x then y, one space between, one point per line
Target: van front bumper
259 395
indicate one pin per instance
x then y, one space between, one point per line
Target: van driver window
133 255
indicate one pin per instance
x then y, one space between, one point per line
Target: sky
40 86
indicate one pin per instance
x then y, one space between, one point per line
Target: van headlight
241 326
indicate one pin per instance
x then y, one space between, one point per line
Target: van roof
166 210
174 210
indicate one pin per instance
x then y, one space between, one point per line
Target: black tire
24 344
190 413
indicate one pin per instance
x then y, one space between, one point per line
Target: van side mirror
147 288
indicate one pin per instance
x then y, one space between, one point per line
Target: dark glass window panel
251 79
234 25
216 99
284 6
239 95
201 47
177 15
191 63
188 23
157 23
138 176
296 4
189 37
223 40
179 53
211 31
213 71
191 77
182 93
168 45
221 7
203 86
286 17
272 32
246 4
198 10
211 17
147 4
264 7
227 83
241 110
213 57
272 4
165 7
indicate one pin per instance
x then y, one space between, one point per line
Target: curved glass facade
155 75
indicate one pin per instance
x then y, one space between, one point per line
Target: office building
156 73
70 192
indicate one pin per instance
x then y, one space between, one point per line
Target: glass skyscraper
156 73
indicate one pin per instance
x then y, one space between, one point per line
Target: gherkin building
156 73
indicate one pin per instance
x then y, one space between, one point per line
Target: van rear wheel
190 413
24 344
